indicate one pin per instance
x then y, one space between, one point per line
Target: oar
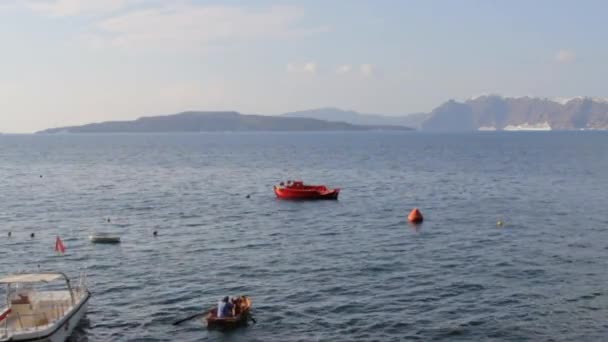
190 317
252 319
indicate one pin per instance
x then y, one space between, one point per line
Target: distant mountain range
489 113
335 114
523 113
217 121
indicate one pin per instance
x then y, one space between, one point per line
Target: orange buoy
415 216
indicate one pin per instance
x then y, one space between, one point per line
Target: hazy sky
67 62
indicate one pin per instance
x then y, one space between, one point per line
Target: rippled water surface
342 270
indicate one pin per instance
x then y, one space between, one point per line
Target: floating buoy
415 216
108 220
500 223
155 233
248 196
9 234
40 176
32 235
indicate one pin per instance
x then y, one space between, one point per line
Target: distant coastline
484 113
218 122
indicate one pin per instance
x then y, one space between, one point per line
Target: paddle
190 317
252 319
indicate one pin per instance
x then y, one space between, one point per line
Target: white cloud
64 8
565 56
343 69
367 70
173 24
196 26
309 67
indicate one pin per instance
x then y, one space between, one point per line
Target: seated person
236 301
23 299
224 308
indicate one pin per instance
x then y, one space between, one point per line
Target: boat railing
36 320
24 322
4 328
3 332
82 281
59 308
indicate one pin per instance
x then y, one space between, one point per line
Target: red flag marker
59 247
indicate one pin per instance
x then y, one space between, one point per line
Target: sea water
344 270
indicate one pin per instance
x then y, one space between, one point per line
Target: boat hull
104 238
59 332
297 194
95 239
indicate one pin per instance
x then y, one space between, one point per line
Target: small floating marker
248 196
40 176
108 219
32 235
500 223
155 233
9 234
415 216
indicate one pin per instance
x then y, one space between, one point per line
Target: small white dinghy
38 311
104 238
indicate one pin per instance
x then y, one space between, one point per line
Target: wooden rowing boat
240 319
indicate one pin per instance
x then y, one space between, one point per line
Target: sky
70 62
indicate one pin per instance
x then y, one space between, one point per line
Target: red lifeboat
297 190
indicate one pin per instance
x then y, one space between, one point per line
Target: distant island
218 122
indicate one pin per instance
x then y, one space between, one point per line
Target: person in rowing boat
236 301
225 308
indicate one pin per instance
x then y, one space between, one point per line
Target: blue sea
346 270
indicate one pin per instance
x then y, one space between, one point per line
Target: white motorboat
39 308
104 238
